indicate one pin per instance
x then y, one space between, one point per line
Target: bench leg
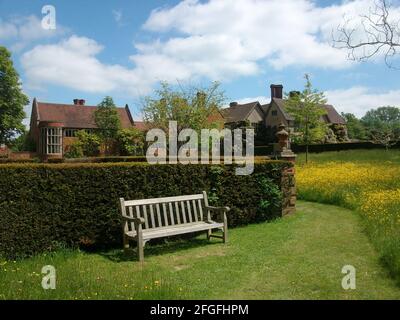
225 233
140 249
126 243
225 228
209 234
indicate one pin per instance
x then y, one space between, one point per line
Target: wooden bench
162 217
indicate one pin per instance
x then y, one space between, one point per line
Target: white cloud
224 38
73 63
359 100
260 99
218 39
22 31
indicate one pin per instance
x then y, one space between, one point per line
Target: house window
51 140
70 132
274 113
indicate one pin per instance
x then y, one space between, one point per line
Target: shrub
89 143
74 150
46 204
130 142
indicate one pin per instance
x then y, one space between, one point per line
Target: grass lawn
363 156
366 181
299 257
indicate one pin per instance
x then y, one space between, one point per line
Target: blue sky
124 48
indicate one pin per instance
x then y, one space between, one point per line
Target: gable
242 112
255 116
276 115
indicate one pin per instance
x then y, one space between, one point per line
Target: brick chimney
79 102
276 91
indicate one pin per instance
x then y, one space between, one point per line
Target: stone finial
283 138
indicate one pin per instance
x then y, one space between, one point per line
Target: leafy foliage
88 144
355 127
306 108
12 99
191 107
43 205
383 125
108 121
23 142
130 142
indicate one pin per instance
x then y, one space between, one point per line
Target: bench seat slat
162 200
146 219
196 218
200 210
183 212
153 223
189 211
177 229
165 214
158 215
177 214
171 213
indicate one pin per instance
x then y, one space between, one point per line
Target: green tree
191 107
383 125
355 127
306 109
130 142
382 117
108 121
88 143
12 99
23 142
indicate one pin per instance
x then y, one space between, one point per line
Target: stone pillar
288 182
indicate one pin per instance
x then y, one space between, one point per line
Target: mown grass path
299 257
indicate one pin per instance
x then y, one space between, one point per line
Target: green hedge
43 206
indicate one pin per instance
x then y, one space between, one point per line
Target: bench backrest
168 211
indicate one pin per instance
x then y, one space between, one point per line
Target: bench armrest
218 209
136 221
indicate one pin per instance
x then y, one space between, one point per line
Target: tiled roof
332 115
238 112
140 125
76 116
281 104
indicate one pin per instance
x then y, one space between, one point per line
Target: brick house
267 117
53 126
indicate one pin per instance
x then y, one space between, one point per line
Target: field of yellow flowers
370 187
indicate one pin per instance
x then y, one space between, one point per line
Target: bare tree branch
376 33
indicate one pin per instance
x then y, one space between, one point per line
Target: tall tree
191 107
306 108
355 128
383 125
108 121
12 99
371 34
